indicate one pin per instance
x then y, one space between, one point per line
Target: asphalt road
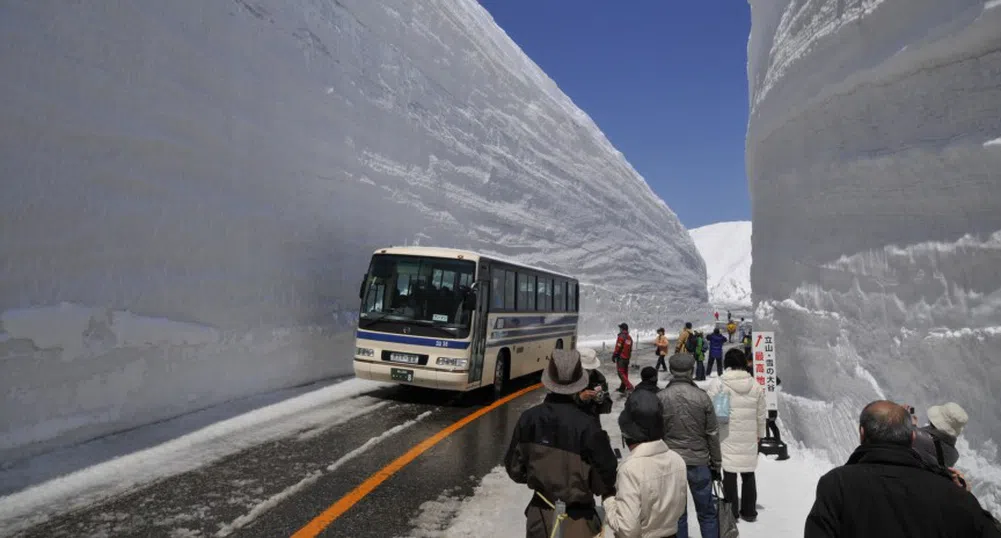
276 488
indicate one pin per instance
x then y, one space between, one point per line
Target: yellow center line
336 510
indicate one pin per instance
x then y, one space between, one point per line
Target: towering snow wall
191 191
874 157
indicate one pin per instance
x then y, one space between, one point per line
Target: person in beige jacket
739 438
651 484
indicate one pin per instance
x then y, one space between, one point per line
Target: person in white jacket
739 438
652 483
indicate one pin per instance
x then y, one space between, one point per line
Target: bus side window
510 290
526 292
559 301
498 277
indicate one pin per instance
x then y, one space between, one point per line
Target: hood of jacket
739 381
647 384
649 448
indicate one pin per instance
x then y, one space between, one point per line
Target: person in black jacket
595 400
886 491
648 376
562 454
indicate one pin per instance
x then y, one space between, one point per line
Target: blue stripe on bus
412 340
511 341
515 322
514 333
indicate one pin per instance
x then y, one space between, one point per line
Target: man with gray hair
886 491
691 430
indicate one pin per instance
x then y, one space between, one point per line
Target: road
277 488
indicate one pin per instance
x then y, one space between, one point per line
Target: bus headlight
364 352
453 363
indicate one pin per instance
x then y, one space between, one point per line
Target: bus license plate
404 357
399 374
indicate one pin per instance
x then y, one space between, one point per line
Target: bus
457 320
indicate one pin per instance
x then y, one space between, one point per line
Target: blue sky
664 79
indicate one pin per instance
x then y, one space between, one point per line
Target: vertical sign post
764 367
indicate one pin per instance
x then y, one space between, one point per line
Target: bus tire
559 344
501 375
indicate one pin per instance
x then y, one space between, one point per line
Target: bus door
479 343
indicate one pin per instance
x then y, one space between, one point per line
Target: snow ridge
223 171
726 249
876 209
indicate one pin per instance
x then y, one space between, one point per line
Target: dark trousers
772 429
719 365
700 370
660 362
622 368
744 504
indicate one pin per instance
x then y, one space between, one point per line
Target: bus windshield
418 291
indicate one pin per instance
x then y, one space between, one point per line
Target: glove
717 475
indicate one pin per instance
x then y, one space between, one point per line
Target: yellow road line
336 510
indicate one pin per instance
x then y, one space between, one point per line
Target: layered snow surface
876 187
192 190
726 249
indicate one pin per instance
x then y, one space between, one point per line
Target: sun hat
589 359
950 418
564 373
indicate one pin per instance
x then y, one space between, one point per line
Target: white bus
457 320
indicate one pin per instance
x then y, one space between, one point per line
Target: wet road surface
277 488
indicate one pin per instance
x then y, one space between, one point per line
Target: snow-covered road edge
326 407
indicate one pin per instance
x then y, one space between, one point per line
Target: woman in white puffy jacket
739 438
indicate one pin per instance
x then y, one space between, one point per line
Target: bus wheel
559 344
500 375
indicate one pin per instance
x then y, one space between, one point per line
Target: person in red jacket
621 355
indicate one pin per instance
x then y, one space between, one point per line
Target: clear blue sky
664 79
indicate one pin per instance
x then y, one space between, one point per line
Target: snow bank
204 183
876 211
322 408
726 249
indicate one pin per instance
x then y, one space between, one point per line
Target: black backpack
691 343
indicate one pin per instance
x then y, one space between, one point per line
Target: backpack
691 342
721 405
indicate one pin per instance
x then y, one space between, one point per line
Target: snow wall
874 161
192 191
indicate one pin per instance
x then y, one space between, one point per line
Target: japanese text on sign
765 371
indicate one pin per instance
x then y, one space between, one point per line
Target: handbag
724 513
721 405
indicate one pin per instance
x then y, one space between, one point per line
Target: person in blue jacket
716 341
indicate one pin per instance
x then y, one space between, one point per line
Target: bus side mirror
469 300
361 289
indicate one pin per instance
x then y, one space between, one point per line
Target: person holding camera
594 400
885 490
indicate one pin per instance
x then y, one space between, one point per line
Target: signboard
765 372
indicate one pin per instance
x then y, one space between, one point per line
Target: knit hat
681 363
564 373
949 418
642 420
648 373
589 359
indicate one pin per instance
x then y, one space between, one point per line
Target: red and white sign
765 372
